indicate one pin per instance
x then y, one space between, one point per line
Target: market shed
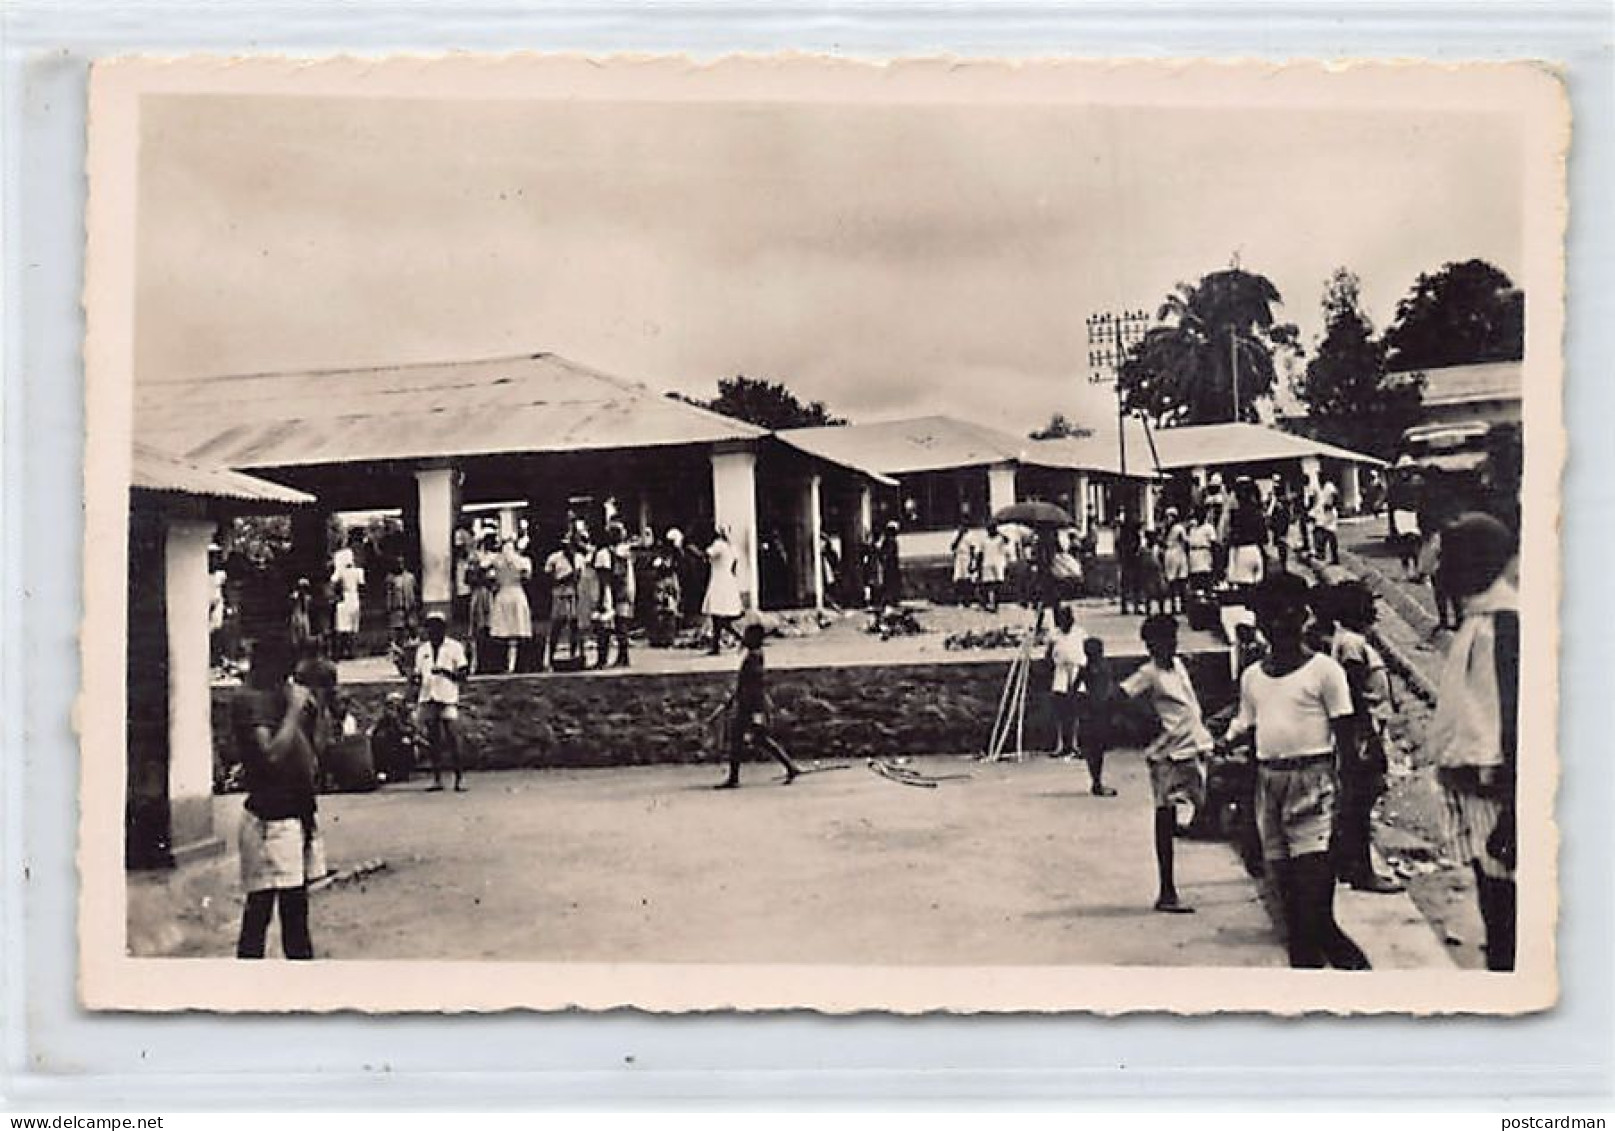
952 471
1198 451
540 429
174 508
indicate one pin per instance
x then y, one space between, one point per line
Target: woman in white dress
966 564
511 620
994 566
1202 549
347 579
1175 561
722 601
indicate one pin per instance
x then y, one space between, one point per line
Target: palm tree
1211 359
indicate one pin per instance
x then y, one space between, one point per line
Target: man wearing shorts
1176 756
441 666
1299 706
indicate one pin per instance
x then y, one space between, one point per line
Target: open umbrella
1034 514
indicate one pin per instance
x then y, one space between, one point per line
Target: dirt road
1014 864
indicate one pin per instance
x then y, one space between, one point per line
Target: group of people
578 606
588 594
981 559
1222 539
1313 709
329 613
1051 563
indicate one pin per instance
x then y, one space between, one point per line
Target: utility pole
1233 367
1111 338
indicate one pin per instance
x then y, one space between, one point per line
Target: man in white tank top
1295 705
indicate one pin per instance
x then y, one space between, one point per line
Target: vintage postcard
787 533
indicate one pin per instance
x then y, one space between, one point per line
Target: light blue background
57 1057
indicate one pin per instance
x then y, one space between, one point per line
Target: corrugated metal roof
902 447
867 472
1201 445
1464 384
1206 445
152 470
533 403
1094 453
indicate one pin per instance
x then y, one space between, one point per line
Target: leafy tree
260 537
767 404
1351 399
1183 370
1462 314
1060 427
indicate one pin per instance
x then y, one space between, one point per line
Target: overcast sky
889 261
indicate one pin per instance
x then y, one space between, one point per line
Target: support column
310 545
857 515
734 507
434 489
1000 487
815 533
1079 501
1351 488
507 523
1147 515
190 704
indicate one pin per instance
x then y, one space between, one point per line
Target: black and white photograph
774 533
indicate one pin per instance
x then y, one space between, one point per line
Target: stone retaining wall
572 720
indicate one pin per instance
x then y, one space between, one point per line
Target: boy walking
751 706
1176 756
1298 704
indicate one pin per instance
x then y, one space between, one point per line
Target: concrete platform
846 642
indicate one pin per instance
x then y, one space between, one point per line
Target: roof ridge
327 371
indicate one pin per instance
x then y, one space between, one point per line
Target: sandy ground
1013 864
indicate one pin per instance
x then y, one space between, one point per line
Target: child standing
1176 756
1152 591
1175 561
751 706
1067 657
667 599
1094 704
274 721
1298 705
403 602
1362 768
394 741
